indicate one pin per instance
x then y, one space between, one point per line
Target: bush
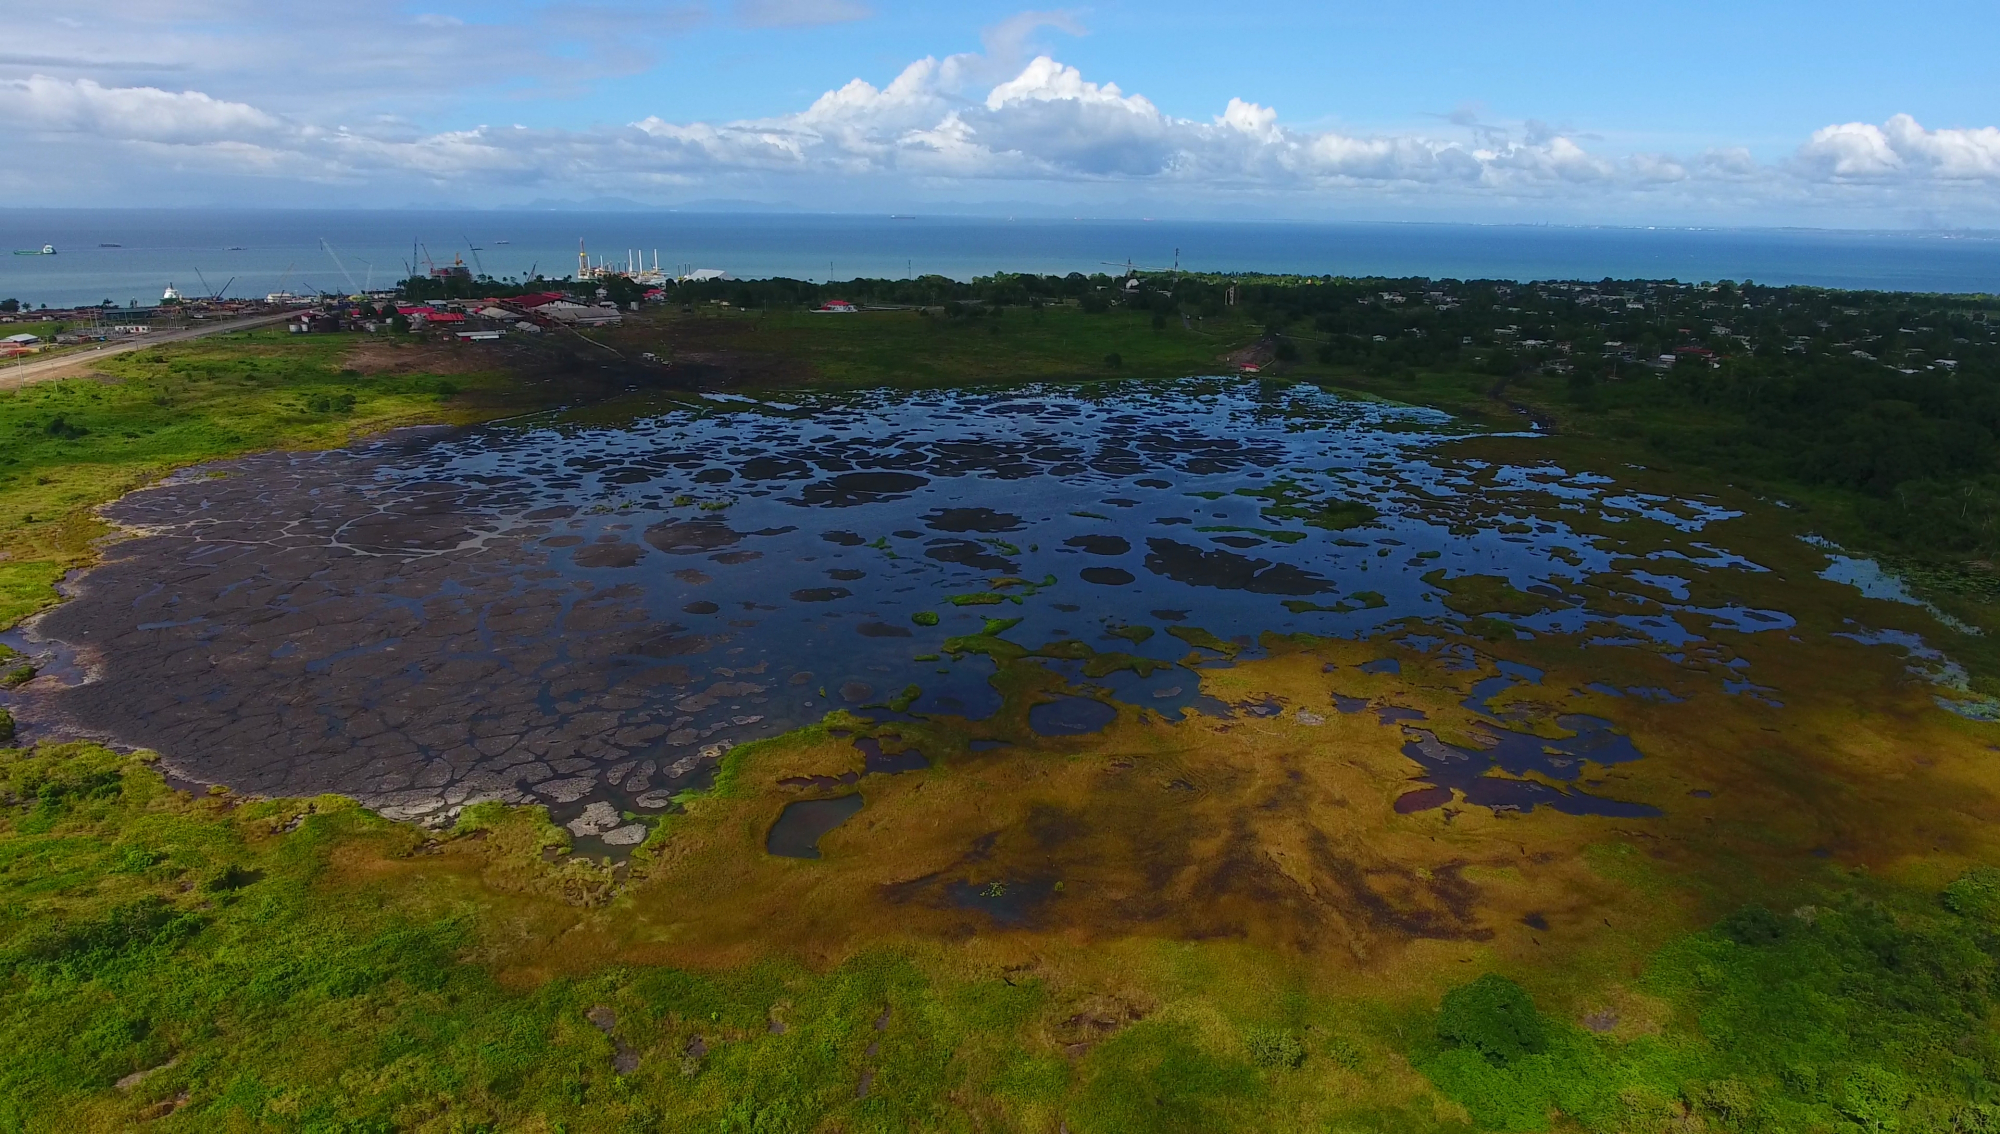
65 429
331 403
1275 1047
1493 1016
81 949
1976 893
1754 925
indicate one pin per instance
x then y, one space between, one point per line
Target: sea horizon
129 255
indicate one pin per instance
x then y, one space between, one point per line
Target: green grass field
215 964
905 348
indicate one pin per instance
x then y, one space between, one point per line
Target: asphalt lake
587 610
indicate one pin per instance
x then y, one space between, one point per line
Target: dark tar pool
584 610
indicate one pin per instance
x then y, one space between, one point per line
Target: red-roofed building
532 300
838 307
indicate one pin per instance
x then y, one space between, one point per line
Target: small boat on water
111 246
44 250
234 248
503 242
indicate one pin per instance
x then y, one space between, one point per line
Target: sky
1757 112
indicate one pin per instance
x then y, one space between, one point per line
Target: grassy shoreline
218 963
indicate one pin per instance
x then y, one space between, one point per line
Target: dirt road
71 362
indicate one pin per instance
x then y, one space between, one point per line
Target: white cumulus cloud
1902 148
1011 124
149 114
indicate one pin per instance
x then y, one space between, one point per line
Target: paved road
40 370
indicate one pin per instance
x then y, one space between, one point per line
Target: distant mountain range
627 205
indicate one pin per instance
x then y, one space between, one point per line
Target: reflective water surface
588 609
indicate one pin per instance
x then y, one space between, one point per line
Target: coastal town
466 306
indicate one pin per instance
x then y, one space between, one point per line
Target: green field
909 348
303 965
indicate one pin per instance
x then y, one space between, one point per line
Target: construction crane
336 263
474 249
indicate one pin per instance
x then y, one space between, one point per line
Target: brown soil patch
387 356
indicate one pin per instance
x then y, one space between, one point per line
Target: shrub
81 948
1493 1016
66 430
1976 893
1275 1047
330 403
1754 925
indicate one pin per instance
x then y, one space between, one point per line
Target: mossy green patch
1484 594
1290 500
1262 533
1204 640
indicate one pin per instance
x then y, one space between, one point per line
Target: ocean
129 256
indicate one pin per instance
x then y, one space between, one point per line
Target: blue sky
1759 74
1746 113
